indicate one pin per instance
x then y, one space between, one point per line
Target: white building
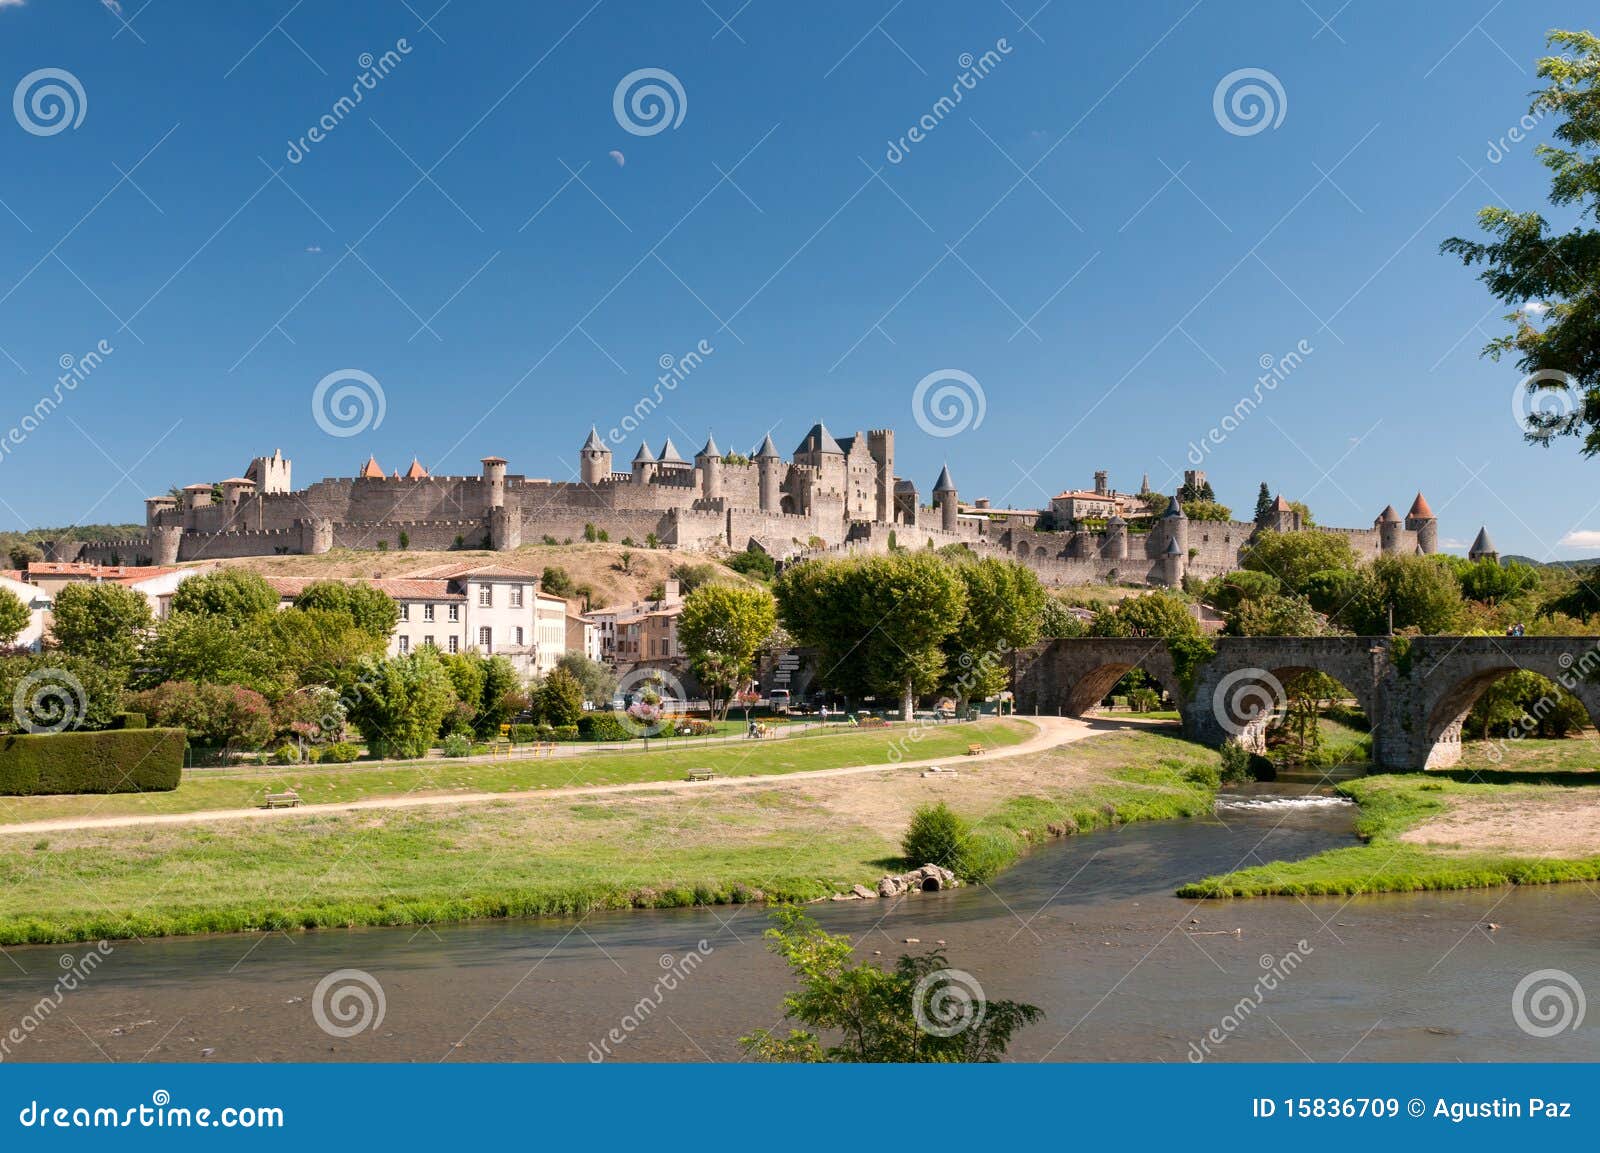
37 601
156 582
625 634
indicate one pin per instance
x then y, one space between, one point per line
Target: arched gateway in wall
1416 692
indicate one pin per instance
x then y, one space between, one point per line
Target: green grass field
794 840
238 788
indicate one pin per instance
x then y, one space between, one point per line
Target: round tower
594 459
1421 521
235 489
494 482
1116 546
1389 528
154 506
944 497
644 464
195 497
316 535
1175 527
769 468
1174 561
709 461
505 529
165 541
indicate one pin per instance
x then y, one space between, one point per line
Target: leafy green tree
597 681
1338 593
879 1015
1196 492
22 553
556 581
467 673
1057 620
101 622
559 698
1163 613
215 716
1525 704
1004 600
503 696
312 646
1306 519
754 563
398 702
214 650
1207 510
1581 599
14 616
1524 260
1293 556
55 689
235 595
1263 504
1228 591
1489 580
692 576
1422 592
1275 616
721 629
370 610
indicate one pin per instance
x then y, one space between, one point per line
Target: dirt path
1051 732
1544 821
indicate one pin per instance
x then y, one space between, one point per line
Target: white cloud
1452 542
12 3
1535 307
112 6
1581 538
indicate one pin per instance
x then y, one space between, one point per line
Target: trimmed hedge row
111 761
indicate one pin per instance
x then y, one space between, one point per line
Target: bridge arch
1456 686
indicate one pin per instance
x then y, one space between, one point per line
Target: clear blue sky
1113 303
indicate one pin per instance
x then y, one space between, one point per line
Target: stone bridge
1415 691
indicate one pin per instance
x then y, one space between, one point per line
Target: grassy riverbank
327 784
1473 827
777 838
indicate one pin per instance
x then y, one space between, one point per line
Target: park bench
700 774
287 800
974 750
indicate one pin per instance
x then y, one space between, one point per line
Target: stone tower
1483 548
195 497
1173 562
316 535
165 542
769 467
1116 546
1102 483
154 506
594 459
1283 518
1389 528
944 496
234 490
880 444
494 483
1421 521
1175 528
644 464
271 473
709 461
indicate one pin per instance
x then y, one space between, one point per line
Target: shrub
457 745
1235 763
111 761
130 721
1207 776
753 563
602 727
984 855
936 836
286 754
525 734
564 732
341 753
314 754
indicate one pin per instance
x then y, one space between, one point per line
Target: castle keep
831 495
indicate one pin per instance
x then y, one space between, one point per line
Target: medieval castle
832 495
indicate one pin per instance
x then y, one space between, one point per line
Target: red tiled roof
1419 508
459 571
118 572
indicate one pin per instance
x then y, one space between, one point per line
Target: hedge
110 761
603 727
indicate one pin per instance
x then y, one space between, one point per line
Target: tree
1293 556
879 623
556 581
215 716
693 576
1228 591
597 681
559 699
1304 511
399 701
919 1011
1581 600
1004 600
213 650
370 610
14 616
1488 580
1263 504
1057 620
753 562
313 646
1202 491
54 691
1275 616
1422 592
23 553
1163 613
502 699
1207 510
721 629
235 595
1525 704
466 672
1557 344
101 622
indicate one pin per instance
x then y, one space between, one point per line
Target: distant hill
86 532
1528 560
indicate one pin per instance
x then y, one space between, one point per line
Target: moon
618 157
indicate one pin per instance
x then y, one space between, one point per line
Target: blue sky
1081 236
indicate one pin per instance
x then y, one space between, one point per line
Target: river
1086 928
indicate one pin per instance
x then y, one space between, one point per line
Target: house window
428 640
405 644
516 596
455 644
485 595
485 641
405 612
455 615
427 612
519 634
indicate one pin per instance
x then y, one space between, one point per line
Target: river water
1086 928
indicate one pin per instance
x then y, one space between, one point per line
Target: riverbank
771 838
1531 820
